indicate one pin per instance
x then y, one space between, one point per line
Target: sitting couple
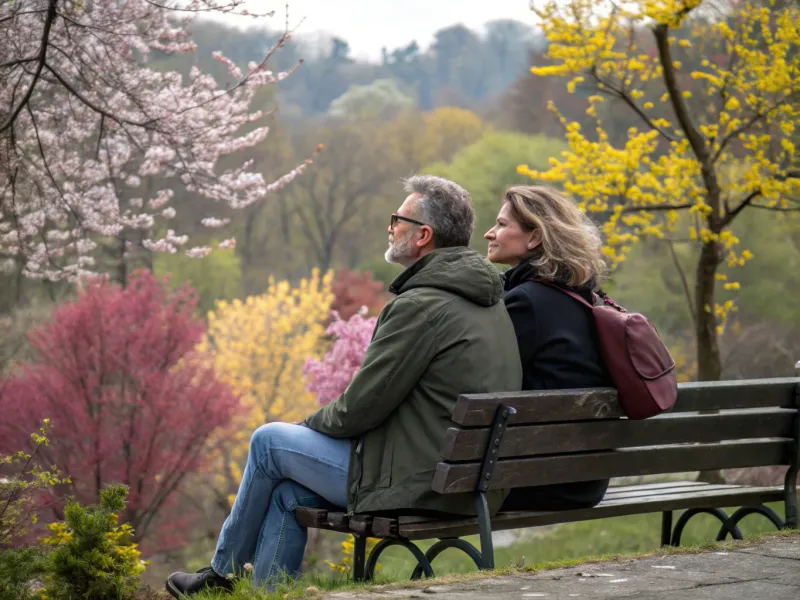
455 326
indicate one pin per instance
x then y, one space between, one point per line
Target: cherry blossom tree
85 120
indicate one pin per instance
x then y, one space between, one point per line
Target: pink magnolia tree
329 377
128 400
84 120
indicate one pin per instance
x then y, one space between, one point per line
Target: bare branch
42 56
18 61
730 216
657 207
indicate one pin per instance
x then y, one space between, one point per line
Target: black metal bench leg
359 557
742 512
485 525
372 561
444 544
727 526
666 527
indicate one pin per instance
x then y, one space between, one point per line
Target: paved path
767 571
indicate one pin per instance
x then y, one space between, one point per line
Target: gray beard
399 250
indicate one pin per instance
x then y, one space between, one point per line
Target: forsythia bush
21 477
258 347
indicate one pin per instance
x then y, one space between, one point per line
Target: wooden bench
521 439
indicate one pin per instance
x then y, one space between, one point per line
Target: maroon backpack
640 366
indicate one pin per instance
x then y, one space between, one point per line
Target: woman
549 242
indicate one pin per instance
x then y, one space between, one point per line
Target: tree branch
730 216
92 105
657 207
18 61
48 23
626 98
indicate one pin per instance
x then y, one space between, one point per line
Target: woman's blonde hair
571 248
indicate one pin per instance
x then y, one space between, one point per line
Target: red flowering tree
128 399
352 290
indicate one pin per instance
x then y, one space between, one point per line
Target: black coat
559 350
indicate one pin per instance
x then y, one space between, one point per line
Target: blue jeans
287 466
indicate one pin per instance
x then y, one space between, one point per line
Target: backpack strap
573 295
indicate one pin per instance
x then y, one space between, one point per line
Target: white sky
368 25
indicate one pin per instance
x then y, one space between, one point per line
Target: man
376 447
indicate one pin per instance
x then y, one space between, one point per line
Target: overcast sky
368 25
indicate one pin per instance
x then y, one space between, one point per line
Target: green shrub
93 558
20 570
21 476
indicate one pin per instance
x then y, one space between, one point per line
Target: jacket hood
458 270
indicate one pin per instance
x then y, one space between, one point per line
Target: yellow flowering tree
259 347
705 143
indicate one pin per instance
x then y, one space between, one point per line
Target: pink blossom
84 119
328 378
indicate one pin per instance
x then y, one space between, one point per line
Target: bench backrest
581 435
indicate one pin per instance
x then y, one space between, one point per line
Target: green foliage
93 558
218 276
21 476
487 167
380 98
18 568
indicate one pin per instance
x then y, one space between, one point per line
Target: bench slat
361 524
511 473
666 491
316 518
384 527
718 498
475 410
532 440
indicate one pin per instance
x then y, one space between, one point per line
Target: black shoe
180 584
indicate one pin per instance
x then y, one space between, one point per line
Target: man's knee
261 437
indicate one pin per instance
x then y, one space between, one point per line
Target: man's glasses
396 218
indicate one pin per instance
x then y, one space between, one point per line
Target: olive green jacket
446 333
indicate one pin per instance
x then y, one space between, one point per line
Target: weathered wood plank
511 473
383 527
311 517
622 495
361 524
532 440
338 521
660 484
461 527
538 407
475 410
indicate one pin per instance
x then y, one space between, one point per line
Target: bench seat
622 500
511 440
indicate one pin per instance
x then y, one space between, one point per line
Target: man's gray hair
445 206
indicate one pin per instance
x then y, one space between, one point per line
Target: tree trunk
709 365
